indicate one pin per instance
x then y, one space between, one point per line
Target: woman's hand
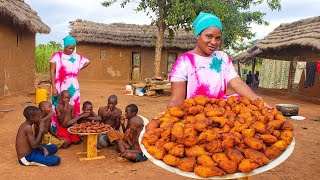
54 92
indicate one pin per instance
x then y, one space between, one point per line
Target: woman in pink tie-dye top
64 67
205 71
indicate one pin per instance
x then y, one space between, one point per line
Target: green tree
170 15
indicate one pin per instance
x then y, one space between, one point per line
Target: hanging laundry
311 74
301 66
274 74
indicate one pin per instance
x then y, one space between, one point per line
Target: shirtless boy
87 107
28 148
65 116
49 137
131 149
111 115
130 112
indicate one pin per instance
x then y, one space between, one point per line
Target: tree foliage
235 15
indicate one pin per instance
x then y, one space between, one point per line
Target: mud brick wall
118 62
17 51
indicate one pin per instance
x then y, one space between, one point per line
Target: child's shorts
37 158
104 141
49 139
140 158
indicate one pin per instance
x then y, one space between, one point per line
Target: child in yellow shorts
49 136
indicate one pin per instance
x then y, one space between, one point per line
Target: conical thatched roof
121 34
302 33
22 15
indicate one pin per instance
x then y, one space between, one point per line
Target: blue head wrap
205 20
69 40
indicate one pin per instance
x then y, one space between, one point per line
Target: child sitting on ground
28 148
65 116
49 137
87 107
131 149
111 115
130 112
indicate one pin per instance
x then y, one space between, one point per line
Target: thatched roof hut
121 34
304 33
22 15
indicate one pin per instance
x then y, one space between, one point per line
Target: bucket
129 90
41 95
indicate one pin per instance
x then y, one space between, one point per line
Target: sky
58 13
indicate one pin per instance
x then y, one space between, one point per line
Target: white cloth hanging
301 66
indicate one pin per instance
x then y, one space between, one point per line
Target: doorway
136 66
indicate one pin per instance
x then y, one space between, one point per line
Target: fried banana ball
276 133
149 138
177 150
217 157
287 126
221 120
162 141
277 124
257 156
201 100
281 144
287 136
234 155
268 138
259 127
196 151
272 152
206 172
156 152
190 136
168 146
176 112
248 165
248 132
187 164
194 110
254 143
153 124
214 146
205 160
171 160
177 130
228 166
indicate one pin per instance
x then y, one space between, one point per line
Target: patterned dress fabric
67 69
274 74
207 76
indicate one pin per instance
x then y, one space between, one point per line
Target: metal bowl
288 109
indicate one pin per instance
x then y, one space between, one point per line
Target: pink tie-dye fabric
67 69
207 76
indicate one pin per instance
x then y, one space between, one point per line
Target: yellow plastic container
41 95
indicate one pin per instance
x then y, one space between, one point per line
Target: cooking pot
288 109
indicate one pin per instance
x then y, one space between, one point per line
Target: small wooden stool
90 148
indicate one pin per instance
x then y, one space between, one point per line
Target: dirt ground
302 164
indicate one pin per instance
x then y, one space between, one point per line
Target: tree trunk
158 51
239 71
253 63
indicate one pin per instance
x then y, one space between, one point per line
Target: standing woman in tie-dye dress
64 69
205 70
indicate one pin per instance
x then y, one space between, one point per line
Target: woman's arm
242 88
178 93
85 65
53 79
